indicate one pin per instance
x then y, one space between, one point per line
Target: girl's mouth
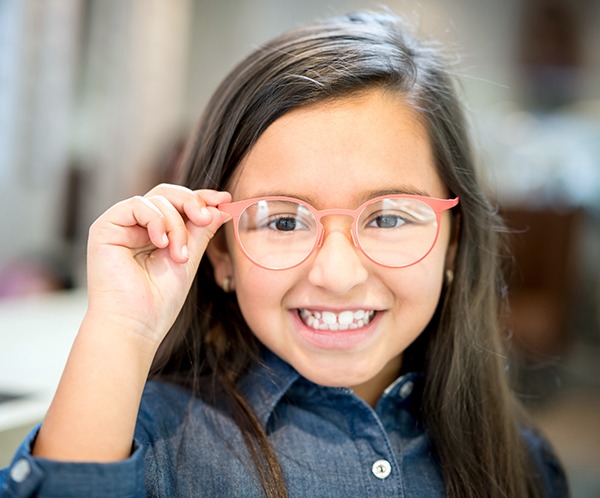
330 320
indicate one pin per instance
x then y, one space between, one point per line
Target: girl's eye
286 224
386 221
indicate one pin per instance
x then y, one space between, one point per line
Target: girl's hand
143 254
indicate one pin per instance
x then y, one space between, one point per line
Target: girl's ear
218 254
453 244
451 254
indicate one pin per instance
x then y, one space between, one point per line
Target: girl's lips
325 336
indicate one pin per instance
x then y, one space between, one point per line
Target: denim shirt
328 441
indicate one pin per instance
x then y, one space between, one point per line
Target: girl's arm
143 254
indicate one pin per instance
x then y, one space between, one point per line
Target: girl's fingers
165 217
185 211
193 204
174 226
214 197
124 217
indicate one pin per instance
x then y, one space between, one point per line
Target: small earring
227 285
449 274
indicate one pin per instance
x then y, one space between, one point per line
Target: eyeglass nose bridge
348 213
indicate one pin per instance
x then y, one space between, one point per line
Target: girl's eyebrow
403 190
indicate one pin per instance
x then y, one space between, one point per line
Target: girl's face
338 155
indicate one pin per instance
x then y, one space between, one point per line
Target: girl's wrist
101 386
121 332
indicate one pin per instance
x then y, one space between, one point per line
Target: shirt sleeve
550 471
30 476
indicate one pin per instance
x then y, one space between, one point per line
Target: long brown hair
467 408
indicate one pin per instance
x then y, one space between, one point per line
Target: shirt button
406 389
20 471
381 469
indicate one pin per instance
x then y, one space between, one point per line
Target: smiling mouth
329 320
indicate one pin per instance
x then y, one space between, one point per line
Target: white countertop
36 334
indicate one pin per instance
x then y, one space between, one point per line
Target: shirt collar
266 383
271 378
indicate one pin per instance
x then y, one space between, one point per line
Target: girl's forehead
344 148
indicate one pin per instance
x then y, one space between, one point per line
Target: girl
340 335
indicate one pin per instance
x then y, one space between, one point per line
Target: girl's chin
335 369
340 377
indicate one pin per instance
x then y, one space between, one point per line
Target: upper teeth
328 320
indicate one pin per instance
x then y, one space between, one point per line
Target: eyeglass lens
393 232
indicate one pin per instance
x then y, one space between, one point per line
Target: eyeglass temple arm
441 205
232 208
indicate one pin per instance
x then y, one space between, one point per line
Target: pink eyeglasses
394 231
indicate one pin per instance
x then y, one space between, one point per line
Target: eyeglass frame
237 208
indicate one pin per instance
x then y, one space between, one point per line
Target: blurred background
98 97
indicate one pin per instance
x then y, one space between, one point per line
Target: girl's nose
337 265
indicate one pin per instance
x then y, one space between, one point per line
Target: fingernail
205 212
165 239
185 251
